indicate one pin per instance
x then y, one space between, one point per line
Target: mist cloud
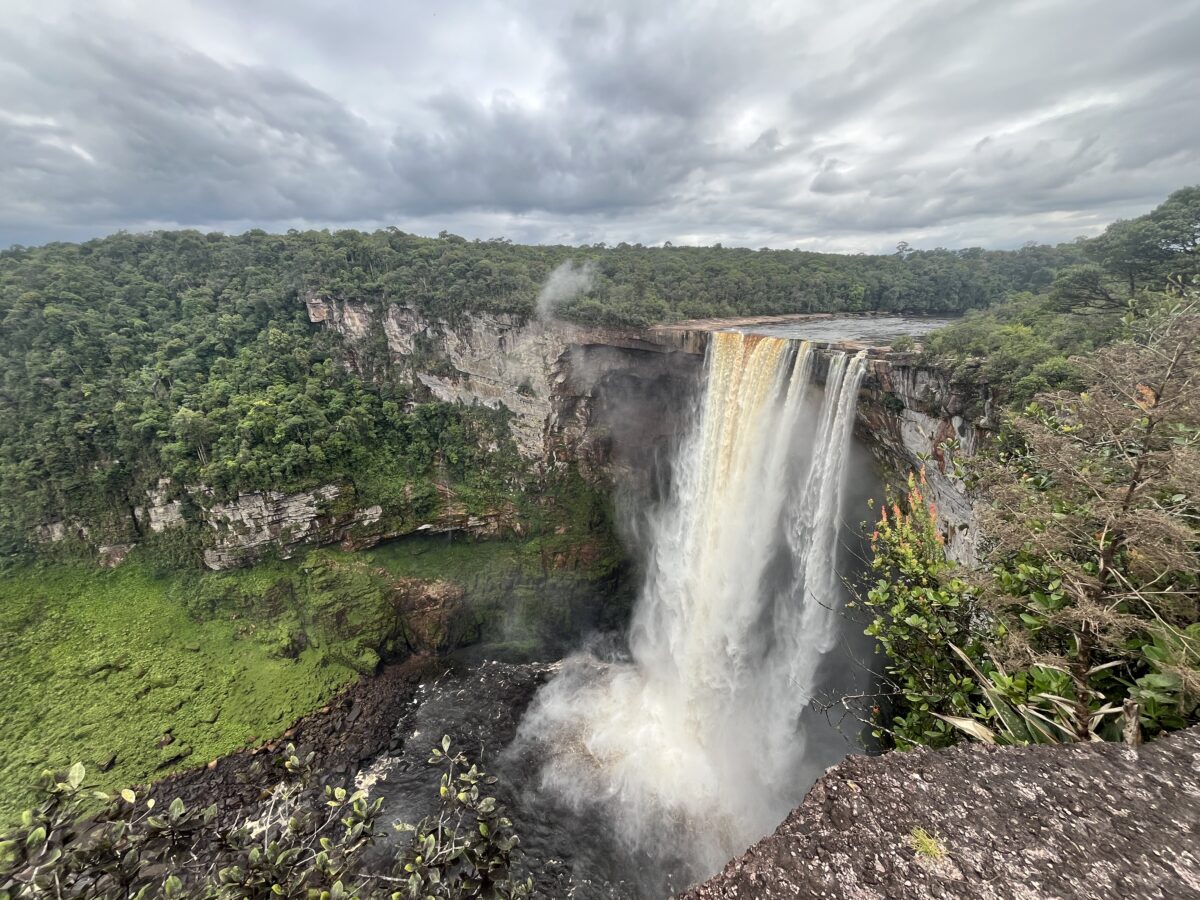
566 282
791 125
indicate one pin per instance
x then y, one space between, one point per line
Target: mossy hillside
534 596
155 672
341 609
100 665
106 666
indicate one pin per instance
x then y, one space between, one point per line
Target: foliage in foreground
1089 606
131 849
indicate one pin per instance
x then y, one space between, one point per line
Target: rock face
1089 820
433 614
548 374
249 526
54 532
160 512
913 416
484 358
616 410
112 555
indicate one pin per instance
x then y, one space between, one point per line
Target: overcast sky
817 124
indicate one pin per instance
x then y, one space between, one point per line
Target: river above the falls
868 330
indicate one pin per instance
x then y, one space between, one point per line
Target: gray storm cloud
789 125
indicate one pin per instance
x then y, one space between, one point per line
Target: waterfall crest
695 738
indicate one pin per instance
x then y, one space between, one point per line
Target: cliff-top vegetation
1082 620
189 355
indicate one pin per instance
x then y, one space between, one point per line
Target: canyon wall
558 379
914 417
599 401
605 402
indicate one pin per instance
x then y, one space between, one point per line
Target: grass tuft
925 845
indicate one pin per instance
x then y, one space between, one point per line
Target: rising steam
567 281
694 742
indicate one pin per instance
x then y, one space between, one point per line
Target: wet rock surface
568 852
1096 820
348 732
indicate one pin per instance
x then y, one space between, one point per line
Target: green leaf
75 776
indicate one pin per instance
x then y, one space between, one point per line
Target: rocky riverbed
972 821
377 735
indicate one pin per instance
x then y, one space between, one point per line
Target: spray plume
567 281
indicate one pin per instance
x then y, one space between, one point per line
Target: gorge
731 459
727 454
599 451
692 735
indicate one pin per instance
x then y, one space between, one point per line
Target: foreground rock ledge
1096 820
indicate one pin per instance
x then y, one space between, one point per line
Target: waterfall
695 738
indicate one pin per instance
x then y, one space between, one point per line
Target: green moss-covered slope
149 672
99 666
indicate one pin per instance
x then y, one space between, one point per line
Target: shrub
131 848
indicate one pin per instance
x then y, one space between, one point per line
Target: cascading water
695 740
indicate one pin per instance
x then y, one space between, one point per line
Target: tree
1093 514
1178 220
1132 250
1086 288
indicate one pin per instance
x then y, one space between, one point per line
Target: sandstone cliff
547 373
604 402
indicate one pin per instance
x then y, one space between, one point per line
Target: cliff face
602 401
485 358
548 374
915 417
606 402
245 528
1087 820
252 524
